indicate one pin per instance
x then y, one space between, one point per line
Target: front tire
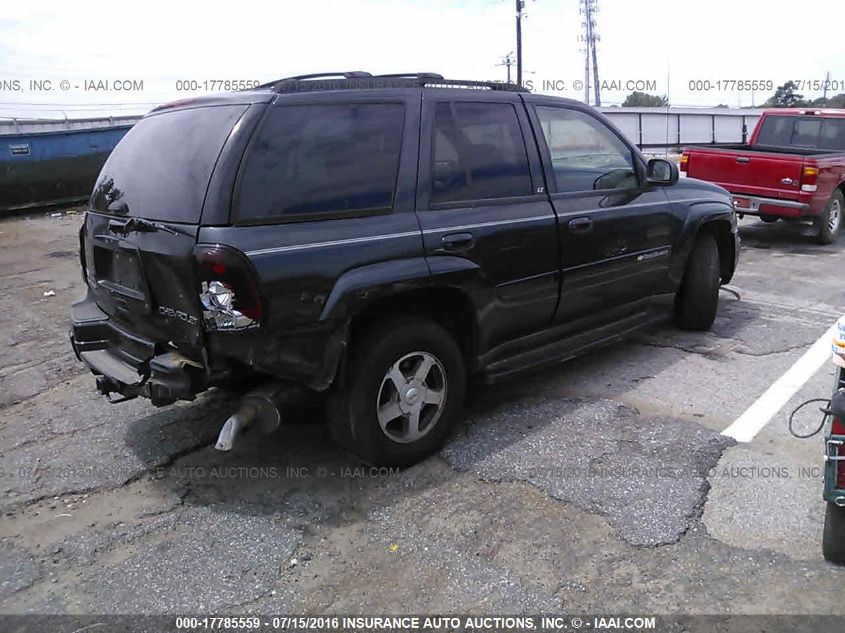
698 297
404 391
830 220
833 537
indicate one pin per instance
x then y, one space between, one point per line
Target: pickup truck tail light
684 166
809 176
228 288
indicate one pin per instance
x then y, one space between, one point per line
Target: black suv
380 239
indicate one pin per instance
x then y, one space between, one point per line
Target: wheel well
448 307
721 232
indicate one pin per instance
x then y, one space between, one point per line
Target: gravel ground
599 485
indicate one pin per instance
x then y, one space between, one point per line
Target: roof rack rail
412 76
349 74
361 80
471 83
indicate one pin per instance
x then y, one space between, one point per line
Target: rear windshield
161 168
802 131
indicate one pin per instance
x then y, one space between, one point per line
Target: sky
166 49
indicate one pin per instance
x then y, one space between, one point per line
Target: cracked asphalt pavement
598 485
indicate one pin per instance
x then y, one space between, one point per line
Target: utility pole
594 37
588 9
587 68
519 6
826 84
507 61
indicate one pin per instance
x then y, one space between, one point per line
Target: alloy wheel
411 397
835 216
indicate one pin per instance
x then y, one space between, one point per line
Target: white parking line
758 415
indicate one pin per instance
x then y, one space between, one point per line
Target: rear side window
161 168
477 153
315 159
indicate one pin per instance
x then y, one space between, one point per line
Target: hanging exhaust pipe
259 407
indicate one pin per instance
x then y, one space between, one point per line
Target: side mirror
662 172
617 179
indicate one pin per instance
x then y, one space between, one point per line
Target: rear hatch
143 222
753 172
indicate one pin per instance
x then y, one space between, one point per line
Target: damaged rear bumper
128 365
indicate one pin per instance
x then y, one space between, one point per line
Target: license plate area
745 204
119 269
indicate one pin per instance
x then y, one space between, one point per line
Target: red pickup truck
793 167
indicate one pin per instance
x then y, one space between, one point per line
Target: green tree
836 101
785 97
639 99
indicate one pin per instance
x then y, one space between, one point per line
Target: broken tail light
228 288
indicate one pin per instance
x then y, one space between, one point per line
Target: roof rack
358 79
413 76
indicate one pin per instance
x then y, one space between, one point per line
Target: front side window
585 154
477 153
315 159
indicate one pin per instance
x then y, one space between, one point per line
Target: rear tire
830 220
833 537
698 297
769 219
403 393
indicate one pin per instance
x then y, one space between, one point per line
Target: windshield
161 168
803 131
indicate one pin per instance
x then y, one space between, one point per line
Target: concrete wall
677 127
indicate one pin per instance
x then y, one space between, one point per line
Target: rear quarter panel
301 264
831 176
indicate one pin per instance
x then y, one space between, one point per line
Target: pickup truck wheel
404 392
769 219
833 537
698 297
830 220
